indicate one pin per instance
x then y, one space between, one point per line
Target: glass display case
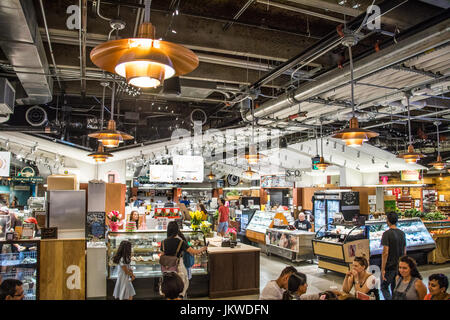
261 221
20 260
337 247
417 235
145 261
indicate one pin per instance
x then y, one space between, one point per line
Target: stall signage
27 172
5 160
22 188
410 175
275 182
28 179
293 175
49 233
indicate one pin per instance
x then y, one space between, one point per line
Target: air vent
7 97
36 116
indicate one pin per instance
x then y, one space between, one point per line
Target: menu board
410 175
95 226
161 173
188 168
275 182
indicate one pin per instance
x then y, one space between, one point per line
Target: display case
243 217
261 221
417 236
294 245
23 266
336 248
145 262
440 231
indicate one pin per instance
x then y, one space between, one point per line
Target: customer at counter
275 289
186 202
169 203
301 223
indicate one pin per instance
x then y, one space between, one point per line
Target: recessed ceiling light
173 31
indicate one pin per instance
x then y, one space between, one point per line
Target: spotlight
386 165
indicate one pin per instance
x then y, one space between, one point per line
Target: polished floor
318 280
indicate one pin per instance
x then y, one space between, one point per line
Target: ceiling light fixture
249 172
252 155
322 165
144 61
211 175
110 137
438 165
353 136
411 156
100 155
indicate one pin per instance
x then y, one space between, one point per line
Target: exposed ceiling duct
421 41
22 44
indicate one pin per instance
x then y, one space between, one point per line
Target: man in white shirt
275 288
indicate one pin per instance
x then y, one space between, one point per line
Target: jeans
390 281
223 227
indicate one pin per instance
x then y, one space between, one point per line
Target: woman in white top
359 277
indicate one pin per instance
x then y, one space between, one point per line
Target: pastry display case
294 245
145 262
20 260
336 248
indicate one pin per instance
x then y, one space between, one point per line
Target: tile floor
318 280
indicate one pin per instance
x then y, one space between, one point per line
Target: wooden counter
233 271
62 269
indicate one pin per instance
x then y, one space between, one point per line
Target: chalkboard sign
49 233
95 226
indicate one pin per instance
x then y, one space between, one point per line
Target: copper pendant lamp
211 176
411 156
353 136
322 165
252 155
438 165
110 137
144 61
100 155
249 172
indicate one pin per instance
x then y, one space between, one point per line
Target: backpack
170 263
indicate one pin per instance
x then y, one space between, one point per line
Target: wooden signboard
49 233
95 226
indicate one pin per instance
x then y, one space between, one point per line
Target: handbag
170 263
188 260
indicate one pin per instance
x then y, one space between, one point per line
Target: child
172 286
124 288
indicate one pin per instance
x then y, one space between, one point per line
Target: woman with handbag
173 248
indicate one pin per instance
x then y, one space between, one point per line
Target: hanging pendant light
252 154
322 165
110 137
100 155
211 176
353 136
249 172
438 165
144 61
411 156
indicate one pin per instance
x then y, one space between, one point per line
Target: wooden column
263 196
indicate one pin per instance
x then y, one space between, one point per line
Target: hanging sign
410 175
27 172
5 161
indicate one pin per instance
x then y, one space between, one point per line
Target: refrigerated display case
294 245
243 217
23 266
418 240
440 231
145 262
336 248
256 229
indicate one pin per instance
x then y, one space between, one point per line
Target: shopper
134 216
11 289
186 202
275 288
172 286
14 203
169 203
296 286
124 289
175 245
359 278
224 213
301 223
409 285
394 246
437 286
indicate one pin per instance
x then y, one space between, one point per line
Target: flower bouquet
205 227
114 218
196 219
232 234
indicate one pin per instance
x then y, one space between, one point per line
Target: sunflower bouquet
196 219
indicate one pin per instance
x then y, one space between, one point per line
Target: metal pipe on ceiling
237 15
83 32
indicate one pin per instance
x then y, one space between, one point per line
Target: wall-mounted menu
275 182
161 173
188 168
95 226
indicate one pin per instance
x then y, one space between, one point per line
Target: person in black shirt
169 203
394 246
301 223
170 245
